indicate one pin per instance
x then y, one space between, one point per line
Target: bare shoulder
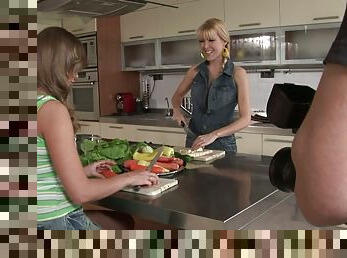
52 114
192 71
239 71
53 107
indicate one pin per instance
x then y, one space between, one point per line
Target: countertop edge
254 127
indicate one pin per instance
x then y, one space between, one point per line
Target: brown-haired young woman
62 183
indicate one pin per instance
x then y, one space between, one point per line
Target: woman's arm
55 126
241 80
180 92
319 152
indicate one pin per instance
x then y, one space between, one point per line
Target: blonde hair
59 55
215 26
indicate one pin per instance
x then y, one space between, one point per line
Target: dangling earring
202 55
226 53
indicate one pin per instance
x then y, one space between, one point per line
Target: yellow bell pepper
144 156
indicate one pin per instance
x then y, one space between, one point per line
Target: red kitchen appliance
126 103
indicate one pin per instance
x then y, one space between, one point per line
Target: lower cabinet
157 135
273 143
87 127
249 143
162 135
120 131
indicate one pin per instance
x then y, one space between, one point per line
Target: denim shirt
214 105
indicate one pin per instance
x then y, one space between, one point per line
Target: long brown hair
59 55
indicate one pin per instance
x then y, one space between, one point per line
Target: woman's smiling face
211 46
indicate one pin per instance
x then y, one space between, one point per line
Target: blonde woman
217 86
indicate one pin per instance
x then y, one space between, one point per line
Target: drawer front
120 131
89 128
249 143
273 143
162 136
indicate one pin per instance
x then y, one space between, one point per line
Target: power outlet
157 77
267 74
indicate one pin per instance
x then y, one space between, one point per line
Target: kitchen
272 21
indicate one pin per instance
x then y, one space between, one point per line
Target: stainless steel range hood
90 8
94 8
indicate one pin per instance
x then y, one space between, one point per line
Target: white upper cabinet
79 24
142 24
45 20
189 16
297 12
159 22
250 14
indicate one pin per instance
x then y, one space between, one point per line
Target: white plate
170 173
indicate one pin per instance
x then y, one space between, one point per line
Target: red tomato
107 173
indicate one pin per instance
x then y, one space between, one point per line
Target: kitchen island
230 193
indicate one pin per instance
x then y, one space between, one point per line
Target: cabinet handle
76 30
277 140
250 24
115 127
158 131
325 18
238 137
252 61
185 31
84 125
136 37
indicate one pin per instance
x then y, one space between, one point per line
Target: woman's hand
141 178
94 169
178 116
203 140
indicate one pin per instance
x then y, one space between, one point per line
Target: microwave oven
84 95
90 49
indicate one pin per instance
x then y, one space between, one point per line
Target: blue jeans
75 220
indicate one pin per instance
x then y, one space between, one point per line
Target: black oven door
85 100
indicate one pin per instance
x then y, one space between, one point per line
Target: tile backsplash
260 88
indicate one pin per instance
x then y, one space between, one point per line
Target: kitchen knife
186 128
151 164
155 159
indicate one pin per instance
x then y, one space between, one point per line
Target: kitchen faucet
168 112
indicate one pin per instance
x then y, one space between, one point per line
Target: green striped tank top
52 201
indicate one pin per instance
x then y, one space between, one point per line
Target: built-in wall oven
90 48
84 95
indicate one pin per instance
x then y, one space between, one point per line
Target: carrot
158 169
155 169
170 166
178 161
165 159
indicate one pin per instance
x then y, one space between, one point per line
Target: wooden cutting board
215 154
204 155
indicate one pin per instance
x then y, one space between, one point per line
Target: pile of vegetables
128 156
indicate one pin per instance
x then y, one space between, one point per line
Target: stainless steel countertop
227 193
159 119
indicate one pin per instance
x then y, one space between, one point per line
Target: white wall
260 88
